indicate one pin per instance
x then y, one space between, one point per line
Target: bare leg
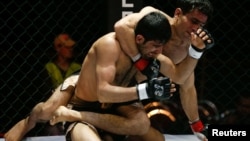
151 135
134 120
112 123
82 132
17 132
41 112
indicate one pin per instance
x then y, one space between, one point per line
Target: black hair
204 6
154 26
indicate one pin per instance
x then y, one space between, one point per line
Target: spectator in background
62 65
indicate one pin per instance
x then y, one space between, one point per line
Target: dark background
28 28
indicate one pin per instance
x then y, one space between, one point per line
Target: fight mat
168 137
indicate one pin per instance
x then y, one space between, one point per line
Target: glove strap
194 52
197 126
141 91
141 64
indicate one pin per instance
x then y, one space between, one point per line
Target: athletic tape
193 53
142 92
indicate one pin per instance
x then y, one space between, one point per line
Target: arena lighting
157 108
163 112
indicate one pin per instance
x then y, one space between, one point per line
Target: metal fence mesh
28 29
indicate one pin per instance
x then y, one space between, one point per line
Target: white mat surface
61 138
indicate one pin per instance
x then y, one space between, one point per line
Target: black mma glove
208 45
199 130
196 52
150 68
156 88
211 44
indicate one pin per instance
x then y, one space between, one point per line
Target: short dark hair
154 26
204 6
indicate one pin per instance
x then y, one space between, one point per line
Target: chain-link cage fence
28 29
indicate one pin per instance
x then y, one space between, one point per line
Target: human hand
156 88
152 69
202 40
199 130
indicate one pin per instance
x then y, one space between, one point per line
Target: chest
176 52
125 71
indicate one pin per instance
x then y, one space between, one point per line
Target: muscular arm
108 92
188 97
124 29
175 72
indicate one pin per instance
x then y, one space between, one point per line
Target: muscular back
104 63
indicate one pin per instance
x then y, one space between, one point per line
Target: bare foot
61 114
17 132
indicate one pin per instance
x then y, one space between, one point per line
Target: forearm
180 72
188 97
116 94
185 69
190 106
124 29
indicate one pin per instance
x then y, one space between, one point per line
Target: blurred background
28 29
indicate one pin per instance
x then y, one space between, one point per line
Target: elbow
103 93
119 27
102 98
147 8
144 128
178 81
140 127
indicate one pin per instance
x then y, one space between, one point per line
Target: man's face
66 51
190 22
150 49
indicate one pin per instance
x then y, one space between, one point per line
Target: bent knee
141 123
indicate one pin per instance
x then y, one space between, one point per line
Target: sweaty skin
128 114
184 29
79 116
63 114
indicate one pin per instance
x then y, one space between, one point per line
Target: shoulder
148 9
108 42
107 47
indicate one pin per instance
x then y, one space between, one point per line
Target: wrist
142 91
197 126
191 122
195 52
141 64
